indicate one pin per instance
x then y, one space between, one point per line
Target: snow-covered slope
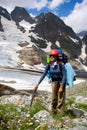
10 40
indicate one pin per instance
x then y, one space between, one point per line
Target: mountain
5 13
19 14
52 28
25 40
82 34
84 40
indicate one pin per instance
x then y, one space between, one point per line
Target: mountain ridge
42 33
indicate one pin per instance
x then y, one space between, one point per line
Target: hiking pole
33 95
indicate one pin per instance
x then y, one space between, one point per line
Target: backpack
60 51
48 58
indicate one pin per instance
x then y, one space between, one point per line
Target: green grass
36 108
14 117
82 106
69 102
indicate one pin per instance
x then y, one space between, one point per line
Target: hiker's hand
36 86
60 88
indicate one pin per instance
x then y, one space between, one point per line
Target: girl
57 82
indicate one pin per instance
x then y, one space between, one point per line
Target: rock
78 127
80 121
22 100
32 56
5 90
43 116
76 112
81 99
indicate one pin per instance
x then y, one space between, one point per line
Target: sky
72 12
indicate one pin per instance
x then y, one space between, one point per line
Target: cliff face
84 42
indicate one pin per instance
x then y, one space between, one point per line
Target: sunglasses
52 56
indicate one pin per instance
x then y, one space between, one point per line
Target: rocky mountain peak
19 14
51 28
4 13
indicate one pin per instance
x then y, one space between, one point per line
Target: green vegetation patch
82 106
70 102
36 108
14 117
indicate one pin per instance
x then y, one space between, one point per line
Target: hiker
70 72
60 59
58 83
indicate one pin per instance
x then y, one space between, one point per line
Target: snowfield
23 80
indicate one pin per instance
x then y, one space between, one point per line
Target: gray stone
43 116
78 127
76 112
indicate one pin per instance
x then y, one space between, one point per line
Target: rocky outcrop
4 89
84 41
5 13
32 56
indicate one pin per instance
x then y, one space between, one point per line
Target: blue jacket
70 74
55 72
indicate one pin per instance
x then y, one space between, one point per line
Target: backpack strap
48 66
60 66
